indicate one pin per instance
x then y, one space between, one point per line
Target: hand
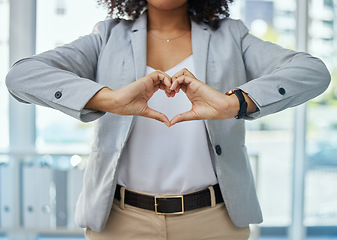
207 103
132 99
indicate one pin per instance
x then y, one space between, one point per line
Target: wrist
101 101
234 104
245 104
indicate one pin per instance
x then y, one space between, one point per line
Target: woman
146 179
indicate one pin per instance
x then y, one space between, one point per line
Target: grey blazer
114 55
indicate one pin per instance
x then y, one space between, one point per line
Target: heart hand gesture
207 103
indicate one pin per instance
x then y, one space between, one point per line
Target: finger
163 77
177 89
159 78
183 79
183 71
166 83
151 113
171 94
186 116
168 93
155 88
162 86
164 73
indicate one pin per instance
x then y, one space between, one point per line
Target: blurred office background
43 153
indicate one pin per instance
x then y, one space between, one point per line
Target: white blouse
163 160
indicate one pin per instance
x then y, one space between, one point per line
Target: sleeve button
282 91
218 149
58 95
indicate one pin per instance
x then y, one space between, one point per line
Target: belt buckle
168 196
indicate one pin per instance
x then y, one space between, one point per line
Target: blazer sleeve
63 78
279 78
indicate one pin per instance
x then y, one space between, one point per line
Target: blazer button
282 91
58 95
218 149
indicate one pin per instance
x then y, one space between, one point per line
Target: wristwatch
243 104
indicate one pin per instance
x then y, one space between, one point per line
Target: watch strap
243 104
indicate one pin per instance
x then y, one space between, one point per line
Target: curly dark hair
206 11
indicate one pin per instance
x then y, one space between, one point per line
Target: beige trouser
128 222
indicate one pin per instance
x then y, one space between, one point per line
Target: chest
163 55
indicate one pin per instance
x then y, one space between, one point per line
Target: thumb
151 113
186 116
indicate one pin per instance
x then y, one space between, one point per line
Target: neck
168 20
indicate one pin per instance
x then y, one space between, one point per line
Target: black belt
171 204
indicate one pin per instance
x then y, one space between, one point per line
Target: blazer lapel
138 42
200 44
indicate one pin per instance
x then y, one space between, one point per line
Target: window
272 21
60 7
55 130
4 65
321 177
60 10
